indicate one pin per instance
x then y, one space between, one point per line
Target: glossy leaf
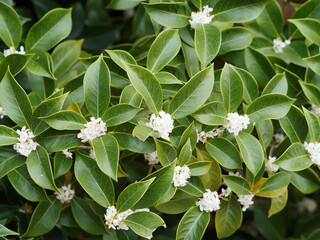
278 84
8 136
65 120
199 168
235 38
121 58
273 184
212 113
313 125
313 63
309 28
165 152
119 114
62 164
237 184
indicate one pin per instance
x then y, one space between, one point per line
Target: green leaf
265 132
239 185
142 132
193 224
62 164
312 92
207 41
199 168
313 125
98 185
144 223
10 26
235 38
146 85
259 66
173 15
106 150
44 218
251 152
269 106
163 50
49 30
278 203
191 133
309 28
194 187
185 153
224 152
15 101
158 187
65 120
212 113
192 95
313 63
130 96
306 181
119 114
251 88
10 163
231 86
121 58
41 63
39 167
295 125
96 85
191 59
278 84
228 218
25 186
5 231
295 158
167 78
165 152
238 11
179 204
134 144
132 194
15 62
274 183
8 136
86 218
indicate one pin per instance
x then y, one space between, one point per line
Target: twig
85 147
150 169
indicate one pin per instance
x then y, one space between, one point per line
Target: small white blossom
56 90
91 154
245 201
163 124
225 192
234 174
201 17
25 145
152 158
314 151
93 129
67 153
66 194
2 113
237 123
209 202
11 50
278 45
309 204
315 109
270 167
115 220
181 175
203 136
278 138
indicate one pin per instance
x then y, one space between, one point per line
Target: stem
271 150
150 169
85 147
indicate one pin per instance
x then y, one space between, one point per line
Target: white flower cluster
93 129
115 220
237 123
201 17
235 174
278 138
152 158
25 145
91 154
203 136
315 109
181 175
245 201
66 194
67 153
307 203
209 202
278 45
270 167
314 151
163 124
225 192
2 113
11 50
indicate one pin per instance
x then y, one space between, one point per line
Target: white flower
203 136
56 90
278 45
237 123
245 201
115 220
2 113
315 109
270 167
68 154
93 129
308 204
225 192
152 158
278 138
201 17
209 202
91 154
11 50
66 194
25 145
314 150
234 174
181 175
163 124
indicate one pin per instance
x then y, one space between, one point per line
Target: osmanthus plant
215 112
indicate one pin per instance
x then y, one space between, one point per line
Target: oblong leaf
8 136
65 120
119 114
212 113
235 38
309 28
237 184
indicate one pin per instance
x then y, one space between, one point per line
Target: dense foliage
127 119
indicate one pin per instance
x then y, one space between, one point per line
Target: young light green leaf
278 84
65 120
